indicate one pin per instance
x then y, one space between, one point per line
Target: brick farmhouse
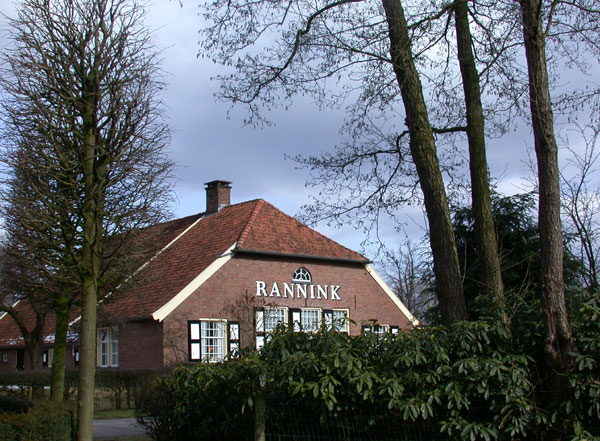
222 280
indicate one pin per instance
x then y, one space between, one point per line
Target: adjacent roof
10 335
196 242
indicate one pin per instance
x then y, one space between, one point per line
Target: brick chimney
217 195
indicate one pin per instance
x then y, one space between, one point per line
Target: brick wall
140 345
11 363
231 294
11 359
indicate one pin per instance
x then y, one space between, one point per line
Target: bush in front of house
126 384
470 381
457 382
13 404
44 421
206 402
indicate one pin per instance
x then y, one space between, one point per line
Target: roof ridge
248 227
313 229
178 219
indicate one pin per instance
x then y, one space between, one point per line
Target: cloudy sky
207 145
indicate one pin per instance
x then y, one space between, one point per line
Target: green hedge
14 404
45 421
465 382
125 384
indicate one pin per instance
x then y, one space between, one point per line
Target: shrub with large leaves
462 382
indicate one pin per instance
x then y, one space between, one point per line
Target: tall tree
490 276
423 151
48 281
368 42
80 102
559 338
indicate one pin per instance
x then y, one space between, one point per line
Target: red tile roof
270 230
256 226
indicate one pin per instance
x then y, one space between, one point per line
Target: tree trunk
87 362
89 267
485 234
259 417
559 339
63 305
422 146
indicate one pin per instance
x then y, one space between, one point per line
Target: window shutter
194 350
295 313
234 337
260 320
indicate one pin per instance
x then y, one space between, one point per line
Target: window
337 319
108 347
267 320
376 329
47 357
301 275
310 319
4 357
234 338
380 329
207 340
274 317
75 355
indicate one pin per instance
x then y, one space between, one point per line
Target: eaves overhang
303 256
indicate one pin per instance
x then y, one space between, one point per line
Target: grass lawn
110 414
132 438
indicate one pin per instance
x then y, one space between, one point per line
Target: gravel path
116 428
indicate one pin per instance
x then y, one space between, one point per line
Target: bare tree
490 276
369 43
577 19
38 271
21 296
581 205
406 271
80 103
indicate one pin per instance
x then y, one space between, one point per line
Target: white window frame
380 330
336 323
302 275
108 348
272 310
310 327
200 343
261 326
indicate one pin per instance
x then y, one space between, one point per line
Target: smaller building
225 279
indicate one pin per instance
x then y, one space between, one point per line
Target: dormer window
301 275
